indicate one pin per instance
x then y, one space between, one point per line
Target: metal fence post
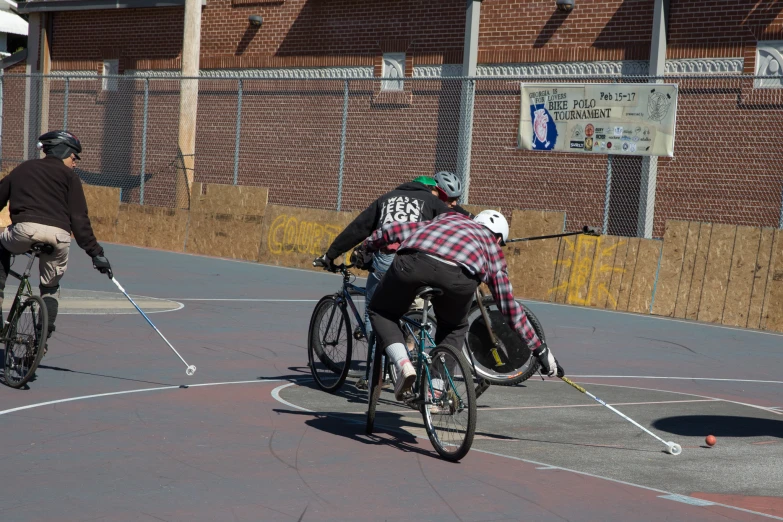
342 148
65 102
608 195
238 132
780 218
465 144
144 140
1 113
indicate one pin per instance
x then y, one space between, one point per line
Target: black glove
325 262
549 365
361 258
101 264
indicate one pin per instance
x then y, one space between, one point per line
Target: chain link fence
339 143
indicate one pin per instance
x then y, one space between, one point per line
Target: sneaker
361 384
405 380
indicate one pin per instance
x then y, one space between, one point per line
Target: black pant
397 290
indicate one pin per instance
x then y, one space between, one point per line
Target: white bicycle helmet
494 220
449 183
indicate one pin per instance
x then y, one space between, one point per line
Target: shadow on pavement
720 426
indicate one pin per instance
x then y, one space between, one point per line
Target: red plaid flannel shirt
459 239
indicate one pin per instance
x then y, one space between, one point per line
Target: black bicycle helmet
449 183
60 144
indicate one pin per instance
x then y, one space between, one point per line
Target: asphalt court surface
106 432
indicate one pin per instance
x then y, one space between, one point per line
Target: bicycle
443 389
331 338
24 334
328 364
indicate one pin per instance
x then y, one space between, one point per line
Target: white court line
657 317
98 395
576 405
544 466
584 473
672 378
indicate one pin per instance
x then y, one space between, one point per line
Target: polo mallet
588 231
672 447
191 368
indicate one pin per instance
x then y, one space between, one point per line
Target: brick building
294 137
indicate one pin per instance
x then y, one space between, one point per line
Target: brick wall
141 38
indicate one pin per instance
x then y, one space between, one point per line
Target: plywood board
603 269
618 274
238 200
674 239
565 257
293 236
225 235
699 269
644 276
529 223
772 314
760 278
686 274
152 227
631 258
716 273
103 207
582 270
531 268
743 269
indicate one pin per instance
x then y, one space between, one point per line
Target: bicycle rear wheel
511 363
450 411
26 342
329 343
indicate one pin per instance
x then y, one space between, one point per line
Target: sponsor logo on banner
589 130
577 144
588 143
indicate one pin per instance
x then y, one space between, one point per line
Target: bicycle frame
24 290
423 360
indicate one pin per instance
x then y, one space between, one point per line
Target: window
110 68
393 67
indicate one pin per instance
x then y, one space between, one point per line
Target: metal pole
780 219
608 193
238 132
1 115
342 148
144 139
65 103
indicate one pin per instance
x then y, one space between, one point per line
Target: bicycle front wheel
329 344
508 364
26 342
450 409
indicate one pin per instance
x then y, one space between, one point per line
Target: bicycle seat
42 248
425 292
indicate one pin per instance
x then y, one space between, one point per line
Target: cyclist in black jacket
47 204
411 202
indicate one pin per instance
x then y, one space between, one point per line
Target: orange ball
710 440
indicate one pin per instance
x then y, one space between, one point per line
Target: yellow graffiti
588 258
289 235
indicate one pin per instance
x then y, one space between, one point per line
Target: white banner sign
636 119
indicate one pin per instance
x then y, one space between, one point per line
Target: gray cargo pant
17 239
